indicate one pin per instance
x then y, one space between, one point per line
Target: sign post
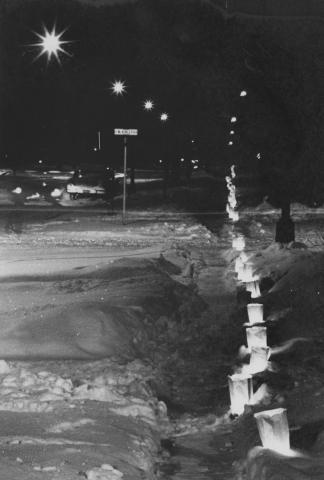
125 133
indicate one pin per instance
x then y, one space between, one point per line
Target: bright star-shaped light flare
164 117
148 105
118 87
51 44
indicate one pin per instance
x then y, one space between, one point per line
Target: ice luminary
255 313
238 265
274 430
254 288
258 359
241 391
256 337
248 275
238 243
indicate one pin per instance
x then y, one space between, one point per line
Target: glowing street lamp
148 105
243 93
164 117
230 143
118 87
233 119
50 44
232 132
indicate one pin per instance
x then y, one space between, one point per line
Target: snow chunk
66 426
105 472
4 367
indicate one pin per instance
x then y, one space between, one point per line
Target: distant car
85 184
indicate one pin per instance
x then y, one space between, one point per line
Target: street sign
123 131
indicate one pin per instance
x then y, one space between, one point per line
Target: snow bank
105 472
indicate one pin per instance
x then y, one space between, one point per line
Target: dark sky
184 54
53 111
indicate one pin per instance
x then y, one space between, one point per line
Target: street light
51 44
118 87
233 119
232 132
243 93
164 117
148 105
230 143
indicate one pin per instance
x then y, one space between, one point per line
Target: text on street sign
123 131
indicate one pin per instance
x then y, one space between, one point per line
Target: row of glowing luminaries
272 424
231 199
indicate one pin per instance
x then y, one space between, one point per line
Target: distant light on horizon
233 119
230 143
232 132
164 117
118 87
243 93
258 156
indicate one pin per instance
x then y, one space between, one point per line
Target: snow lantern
274 430
238 265
256 337
258 359
232 201
241 391
248 275
254 288
255 313
238 243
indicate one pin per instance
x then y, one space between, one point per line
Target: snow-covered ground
114 337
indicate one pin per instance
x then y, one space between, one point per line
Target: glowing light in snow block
241 391
256 337
254 288
274 430
238 243
232 200
248 275
258 359
244 257
238 265
255 313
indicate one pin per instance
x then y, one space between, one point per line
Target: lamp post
125 133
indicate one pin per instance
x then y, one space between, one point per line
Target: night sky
185 55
